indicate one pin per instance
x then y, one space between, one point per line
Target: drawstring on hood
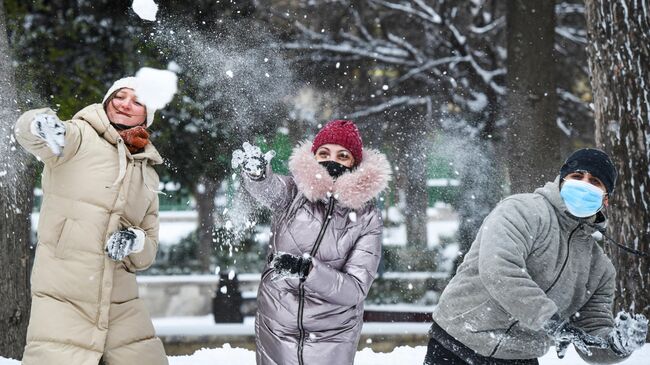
601 229
121 153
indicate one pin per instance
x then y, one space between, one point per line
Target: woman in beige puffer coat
98 226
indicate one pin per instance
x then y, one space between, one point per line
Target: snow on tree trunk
16 186
205 193
619 59
533 136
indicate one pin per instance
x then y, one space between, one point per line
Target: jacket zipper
301 286
566 260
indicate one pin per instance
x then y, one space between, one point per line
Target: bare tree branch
400 101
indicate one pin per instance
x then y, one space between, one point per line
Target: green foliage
403 259
283 146
385 291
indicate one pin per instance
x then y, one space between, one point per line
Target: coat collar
353 189
96 116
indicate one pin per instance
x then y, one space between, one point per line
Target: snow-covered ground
227 355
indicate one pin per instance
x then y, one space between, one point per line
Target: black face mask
334 168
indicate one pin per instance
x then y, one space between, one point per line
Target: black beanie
593 161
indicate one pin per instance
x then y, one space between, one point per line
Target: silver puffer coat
318 320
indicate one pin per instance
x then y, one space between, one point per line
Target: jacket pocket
59 251
485 317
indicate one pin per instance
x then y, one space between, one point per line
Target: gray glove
124 242
251 160
629 333
50 129
564 334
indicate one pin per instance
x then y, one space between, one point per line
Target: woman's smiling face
124 108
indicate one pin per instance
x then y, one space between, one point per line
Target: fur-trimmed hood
352 189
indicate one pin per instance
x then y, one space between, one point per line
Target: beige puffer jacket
84 305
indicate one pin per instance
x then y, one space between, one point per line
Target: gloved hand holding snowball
124 242
629 333
252 161
564 334
51 130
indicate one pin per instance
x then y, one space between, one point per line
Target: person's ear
606 201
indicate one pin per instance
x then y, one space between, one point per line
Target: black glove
124 242
288 265
564 334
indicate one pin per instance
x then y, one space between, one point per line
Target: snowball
155 88
230 74
174 67
145 9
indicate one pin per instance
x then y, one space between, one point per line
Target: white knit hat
129 82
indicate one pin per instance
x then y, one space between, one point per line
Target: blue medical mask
581 198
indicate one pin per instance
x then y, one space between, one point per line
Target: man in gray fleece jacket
535 277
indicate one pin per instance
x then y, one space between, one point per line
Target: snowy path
401 355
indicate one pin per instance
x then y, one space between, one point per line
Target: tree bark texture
533 137
619 59
205 193
16 185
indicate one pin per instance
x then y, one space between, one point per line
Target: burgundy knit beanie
343 133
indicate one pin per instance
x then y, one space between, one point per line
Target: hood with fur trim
352 189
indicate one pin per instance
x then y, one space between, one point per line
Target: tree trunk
532 134
16 185
205 193
619 59
416 194
481 176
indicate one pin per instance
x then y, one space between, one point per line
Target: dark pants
443 349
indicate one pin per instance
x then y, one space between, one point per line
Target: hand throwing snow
124 242
251 160
565 334
287 265
629 334
50 129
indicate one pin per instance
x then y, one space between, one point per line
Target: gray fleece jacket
529 260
